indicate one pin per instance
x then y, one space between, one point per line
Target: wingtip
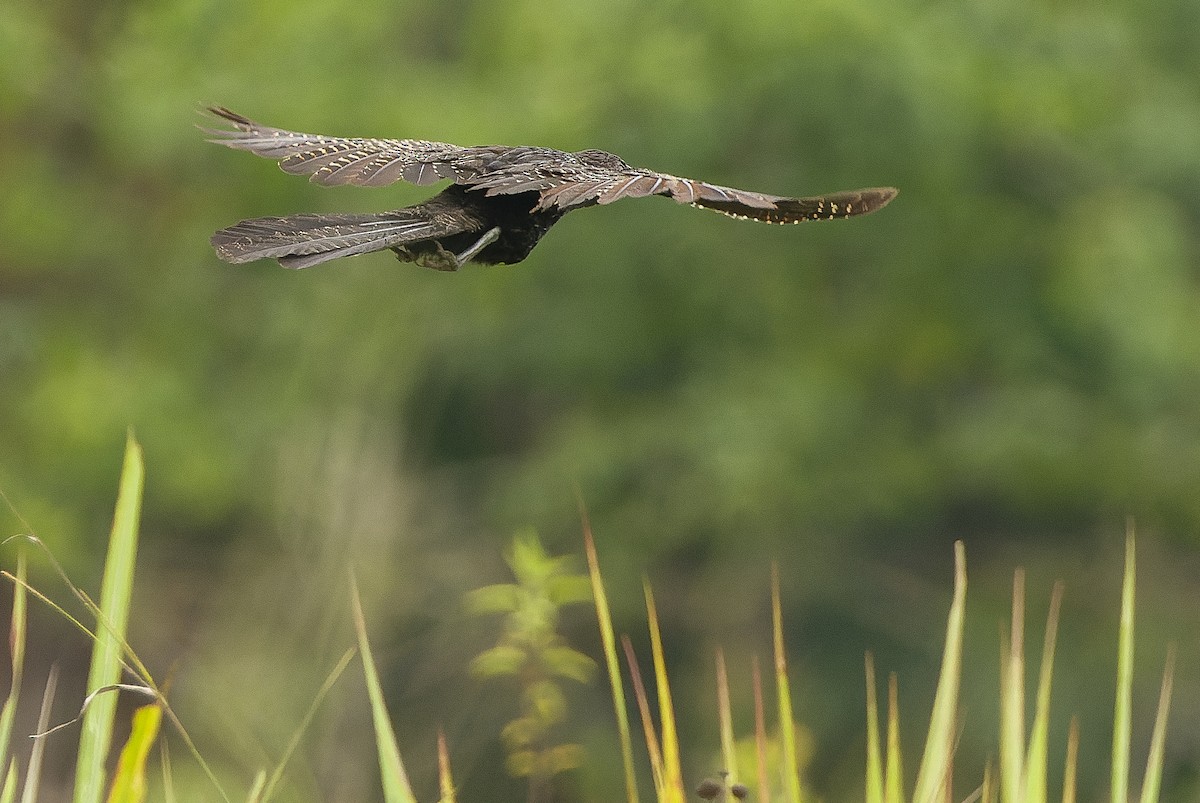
864 201
227 114
881 196
241 122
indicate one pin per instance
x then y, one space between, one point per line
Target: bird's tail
300 241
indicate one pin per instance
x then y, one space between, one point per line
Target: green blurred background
1009 354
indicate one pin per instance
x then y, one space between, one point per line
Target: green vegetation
1008 355
533 653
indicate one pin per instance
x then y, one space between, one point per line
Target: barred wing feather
586 187
340 160
299 241
778 209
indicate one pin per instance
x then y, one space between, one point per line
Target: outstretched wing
573 180
564 180
589 185
360 161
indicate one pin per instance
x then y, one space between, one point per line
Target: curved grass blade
129 659
129 780
1122 715
273 781
1037 760
643 704
1154 763
34 774
608 639
672 787
396 788
939 744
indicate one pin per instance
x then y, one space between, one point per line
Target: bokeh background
1009 354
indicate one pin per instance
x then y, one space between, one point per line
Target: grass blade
672 786
16 640
643 703
1122 715
1152 783
725 716
116 589
787 721
874 784
268 789
168 780
257 788
608 639
396 788
8 792
33 776
893 786
129 781
1037 761
1071 766
445 780
987 791
939 744
760 734
1012 698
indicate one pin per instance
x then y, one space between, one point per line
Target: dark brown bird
502 201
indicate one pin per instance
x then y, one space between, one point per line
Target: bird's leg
443 259
490 236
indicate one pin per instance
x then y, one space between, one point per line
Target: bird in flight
501 202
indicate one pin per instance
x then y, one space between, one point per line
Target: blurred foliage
533 654
1009 353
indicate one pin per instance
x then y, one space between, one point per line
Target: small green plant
532 652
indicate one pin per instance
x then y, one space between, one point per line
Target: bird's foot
403 254
441 259
444 259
